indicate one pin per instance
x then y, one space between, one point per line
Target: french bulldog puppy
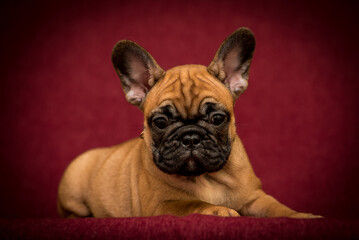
189 158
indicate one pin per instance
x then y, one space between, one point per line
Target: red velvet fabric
170 227
298 119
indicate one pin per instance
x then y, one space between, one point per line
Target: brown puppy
189 158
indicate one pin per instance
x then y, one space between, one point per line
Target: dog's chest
212 192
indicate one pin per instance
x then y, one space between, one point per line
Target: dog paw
304 215
220 211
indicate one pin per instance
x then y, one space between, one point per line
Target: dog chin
191 168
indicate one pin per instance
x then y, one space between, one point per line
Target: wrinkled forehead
187 90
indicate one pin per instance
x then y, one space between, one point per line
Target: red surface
298 119
170 227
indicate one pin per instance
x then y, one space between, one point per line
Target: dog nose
191 139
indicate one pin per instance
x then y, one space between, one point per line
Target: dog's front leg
186 207
265 205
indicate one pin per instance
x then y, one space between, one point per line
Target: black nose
191 139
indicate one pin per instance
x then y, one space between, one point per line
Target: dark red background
298 119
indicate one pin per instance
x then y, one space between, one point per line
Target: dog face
189 122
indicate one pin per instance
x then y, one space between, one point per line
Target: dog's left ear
232 61
137 70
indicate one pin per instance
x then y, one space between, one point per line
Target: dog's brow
208 107
167 109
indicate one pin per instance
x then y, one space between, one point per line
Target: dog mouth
189 166
195 167
191 152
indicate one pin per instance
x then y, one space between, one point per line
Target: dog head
189 121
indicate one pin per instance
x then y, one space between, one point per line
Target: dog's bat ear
232 61
137 70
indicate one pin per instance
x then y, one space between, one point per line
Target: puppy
189 158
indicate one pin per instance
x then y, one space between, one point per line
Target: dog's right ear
137 70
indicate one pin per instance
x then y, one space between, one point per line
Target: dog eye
218 119
161 122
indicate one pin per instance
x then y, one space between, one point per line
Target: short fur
150 176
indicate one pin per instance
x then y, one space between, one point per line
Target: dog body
108 187
189 158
